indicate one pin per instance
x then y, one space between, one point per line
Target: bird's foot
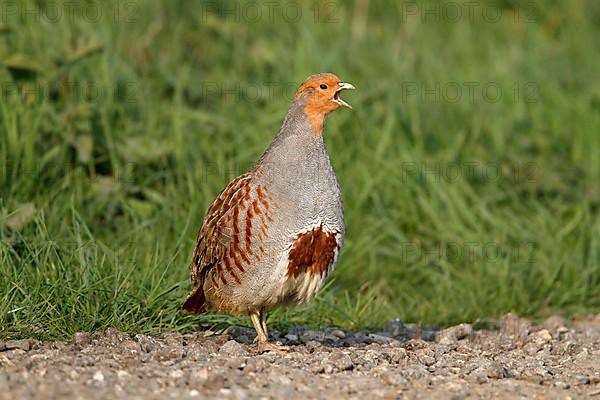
263 347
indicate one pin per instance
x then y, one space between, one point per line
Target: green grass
101 200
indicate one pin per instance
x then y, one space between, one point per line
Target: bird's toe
271 347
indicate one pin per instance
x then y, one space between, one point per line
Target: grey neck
296 141
297 157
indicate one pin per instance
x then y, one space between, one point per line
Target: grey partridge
273 234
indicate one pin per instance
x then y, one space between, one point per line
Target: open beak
336 96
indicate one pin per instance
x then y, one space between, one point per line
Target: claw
275 348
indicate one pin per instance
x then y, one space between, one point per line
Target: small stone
292 338
201 374
240 334
562 385
416 372
379 339
491 370
232 348
312 336
74 375
561 330
280 379
341 361
313 345
317 369
24 344
542 372
194 393
497 372
82 339
148 344
176 374
454 333
131 346
397 355
582 379
236 363
115 336
339 333
328 369
427 360
15 353
393 379
5 362
37 358
99 376
533 348
165 355
544 336
123 374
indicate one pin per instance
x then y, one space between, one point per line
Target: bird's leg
266 346
263 321
261 336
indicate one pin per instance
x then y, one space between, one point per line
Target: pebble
562 385
165 355
312 336
544 335
427 360
99 376
397 355
291 338
232 348
176 374
562 330
148 344
201 374
379 339
339 333
131 346
24 344
341 361
581 379
241 334
82 339
451 335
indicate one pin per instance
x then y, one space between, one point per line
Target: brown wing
223 240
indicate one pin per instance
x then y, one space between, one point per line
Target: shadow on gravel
394 331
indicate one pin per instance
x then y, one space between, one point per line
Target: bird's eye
323 86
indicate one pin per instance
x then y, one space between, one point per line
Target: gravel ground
517 360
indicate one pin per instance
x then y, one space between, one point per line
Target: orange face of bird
323 96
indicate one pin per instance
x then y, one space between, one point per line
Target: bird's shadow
393 333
